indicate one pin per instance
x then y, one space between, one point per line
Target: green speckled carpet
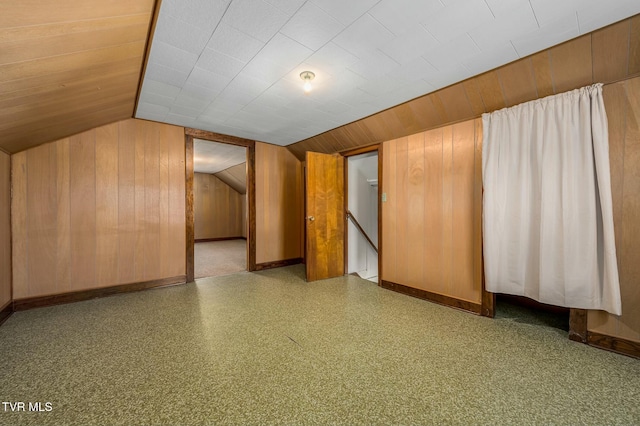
269 348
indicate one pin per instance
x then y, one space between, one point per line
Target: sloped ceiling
232 66
68 66
212 157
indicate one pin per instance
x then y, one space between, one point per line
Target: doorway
220 208
362 214
220 204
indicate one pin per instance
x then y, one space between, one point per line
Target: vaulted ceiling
232 66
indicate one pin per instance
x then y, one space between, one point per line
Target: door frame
350 153
189 135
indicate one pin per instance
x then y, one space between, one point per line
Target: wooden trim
147 51
433 297
380 214
77 296
360 150
208 240
578 325
189 219
362 231
614 344
6 312
251 206
218 137
277 264
190 134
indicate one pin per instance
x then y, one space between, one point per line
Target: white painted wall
362 201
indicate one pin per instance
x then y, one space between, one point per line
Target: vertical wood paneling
63 253
415 210
106 205
151 201
634 46
402 227
126 201
571 64
19 225
518 82
541 64
433 217
491 91
463 186
447 210
76 215
622 103
41 218
279 204
389 260
82 198
217 208
610 49
5 229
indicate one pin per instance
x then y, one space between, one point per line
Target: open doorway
220 208
362 210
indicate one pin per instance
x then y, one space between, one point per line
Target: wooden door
324 215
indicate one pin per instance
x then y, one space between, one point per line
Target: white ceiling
232 66
213 157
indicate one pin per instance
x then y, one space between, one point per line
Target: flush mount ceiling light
307 76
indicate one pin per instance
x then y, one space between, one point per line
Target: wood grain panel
433 214
5 229
126 201
415 210
82 198
571 64
610 49
402 227
555 70
63 250
279 203
106 184
389 212
463 185
19 227
541 63
235 177
84 187
217 208
518 83
59 48
447 210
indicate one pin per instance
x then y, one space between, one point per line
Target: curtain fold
547 209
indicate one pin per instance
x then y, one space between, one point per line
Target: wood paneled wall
622 103
431 221
217 208
279 204
5 229
101 208
235 177
66 67
604 56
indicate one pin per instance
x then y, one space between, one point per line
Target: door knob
311 218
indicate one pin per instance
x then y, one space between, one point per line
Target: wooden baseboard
464 305
207 240
6 312
614 344
578 325
77 296
277 264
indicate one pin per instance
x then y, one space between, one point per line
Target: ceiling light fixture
307 76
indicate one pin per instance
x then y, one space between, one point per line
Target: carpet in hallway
215 258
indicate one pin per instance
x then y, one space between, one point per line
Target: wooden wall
218 208
279 204
622 103
101 208
431 221
606 55
5 229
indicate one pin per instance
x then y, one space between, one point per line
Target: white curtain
547 218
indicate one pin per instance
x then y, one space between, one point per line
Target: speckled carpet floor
215 258
269 348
